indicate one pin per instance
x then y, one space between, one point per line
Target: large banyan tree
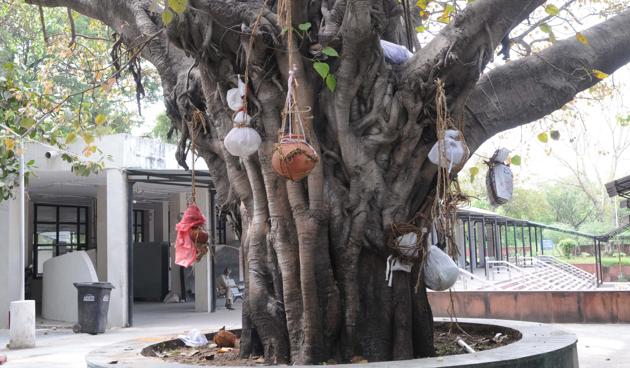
315 250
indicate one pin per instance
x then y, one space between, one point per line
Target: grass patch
606 261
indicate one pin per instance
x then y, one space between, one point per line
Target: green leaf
167 16
421 29
27 122
444 18
473 172
516 160
599 74
580 37
71 137
321 68
545 28
554 134
304 26
100 119
179 6
9 144
330 51
88 138
552 9
331 82
543 137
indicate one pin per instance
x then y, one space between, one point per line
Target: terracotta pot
293 158
202 249
199 235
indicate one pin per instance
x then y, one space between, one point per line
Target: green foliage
61 91
516 160
528 204
323 70
567 246
569 205
330 51
161 129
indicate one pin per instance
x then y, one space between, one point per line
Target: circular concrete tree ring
540 346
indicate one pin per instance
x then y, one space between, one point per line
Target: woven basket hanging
293 157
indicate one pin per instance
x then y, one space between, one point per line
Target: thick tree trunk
316 250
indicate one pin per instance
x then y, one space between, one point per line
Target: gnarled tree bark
316 250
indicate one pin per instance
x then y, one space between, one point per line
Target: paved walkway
599 346
60 347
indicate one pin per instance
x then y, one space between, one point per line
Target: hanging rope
448 195
291 113
193 127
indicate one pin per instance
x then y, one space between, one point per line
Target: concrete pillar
150 218
101 232
203 293
165 222
9 255
177 205
117 229
22 333
461 243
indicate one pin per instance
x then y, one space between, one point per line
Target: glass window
68 214
58 230
46 213
138 226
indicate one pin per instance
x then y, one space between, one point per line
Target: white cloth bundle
440 272
395 54
453 151
241 118
235 96
395 264
242 141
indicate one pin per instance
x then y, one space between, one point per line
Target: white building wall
101 232
203 268
117 246
9 256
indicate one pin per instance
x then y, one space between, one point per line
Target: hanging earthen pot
293 158
199 235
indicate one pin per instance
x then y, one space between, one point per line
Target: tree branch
460 52
527 89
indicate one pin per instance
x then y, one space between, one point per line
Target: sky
587 138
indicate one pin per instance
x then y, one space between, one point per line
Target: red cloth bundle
185 247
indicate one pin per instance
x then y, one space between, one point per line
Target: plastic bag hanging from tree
440 272
189 229
450 152
499 180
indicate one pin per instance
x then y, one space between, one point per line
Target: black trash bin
93 300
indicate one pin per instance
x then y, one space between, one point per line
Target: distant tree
163 129
57 85
569 205
529 204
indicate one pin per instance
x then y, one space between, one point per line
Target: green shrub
567 246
